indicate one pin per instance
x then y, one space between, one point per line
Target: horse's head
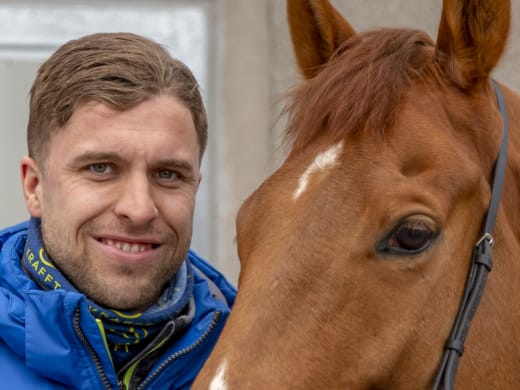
354 253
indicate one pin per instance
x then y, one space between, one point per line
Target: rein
480 266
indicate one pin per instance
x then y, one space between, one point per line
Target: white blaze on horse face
219 381
323 162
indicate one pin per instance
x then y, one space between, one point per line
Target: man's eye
101 168
167 174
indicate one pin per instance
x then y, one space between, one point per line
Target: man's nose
136 202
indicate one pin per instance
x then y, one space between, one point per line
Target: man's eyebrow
93 156
175 163
96 156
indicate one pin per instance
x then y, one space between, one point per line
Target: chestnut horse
355 252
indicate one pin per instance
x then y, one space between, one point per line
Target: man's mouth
130 247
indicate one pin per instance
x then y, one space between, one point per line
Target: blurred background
239 51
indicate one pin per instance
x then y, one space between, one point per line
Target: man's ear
31 183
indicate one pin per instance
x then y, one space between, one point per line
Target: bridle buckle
486 237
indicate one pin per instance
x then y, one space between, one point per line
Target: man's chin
126 297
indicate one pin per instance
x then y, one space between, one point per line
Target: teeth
128 247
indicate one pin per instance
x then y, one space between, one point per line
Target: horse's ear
317 30
472 37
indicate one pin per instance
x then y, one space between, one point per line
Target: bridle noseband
481 265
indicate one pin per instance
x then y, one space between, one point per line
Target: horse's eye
409 237
412 237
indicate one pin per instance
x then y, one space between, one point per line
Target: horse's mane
360 88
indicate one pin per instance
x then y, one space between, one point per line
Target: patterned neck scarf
126 333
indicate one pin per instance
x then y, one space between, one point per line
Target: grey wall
13 97
255 65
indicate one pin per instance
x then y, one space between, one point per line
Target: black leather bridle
481 265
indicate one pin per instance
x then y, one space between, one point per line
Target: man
99 289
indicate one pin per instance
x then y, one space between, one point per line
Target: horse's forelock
360 88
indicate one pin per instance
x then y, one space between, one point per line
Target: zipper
90 349
182 352
129 368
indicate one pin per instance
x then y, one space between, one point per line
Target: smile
130 247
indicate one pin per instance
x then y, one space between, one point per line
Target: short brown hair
117 69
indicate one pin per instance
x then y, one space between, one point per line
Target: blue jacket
49 339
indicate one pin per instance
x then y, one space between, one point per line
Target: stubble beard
124 290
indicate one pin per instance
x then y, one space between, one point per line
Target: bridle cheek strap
481 265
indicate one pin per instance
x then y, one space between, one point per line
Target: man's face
116 199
